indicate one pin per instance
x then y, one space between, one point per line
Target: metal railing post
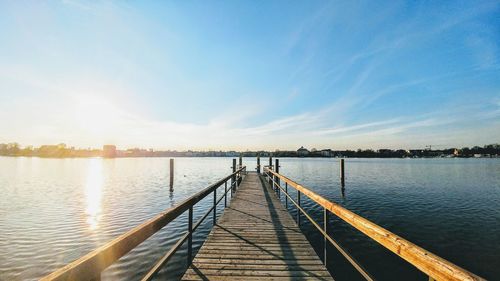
286 197
215 206
233 178
277 179
237 185
190 237
298 211
225 194
269 177
269 174
325 223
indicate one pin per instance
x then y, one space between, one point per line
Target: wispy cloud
370 125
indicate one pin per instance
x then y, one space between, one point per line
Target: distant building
326 153
301 152
417 152
109 151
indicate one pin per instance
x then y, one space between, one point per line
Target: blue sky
250 74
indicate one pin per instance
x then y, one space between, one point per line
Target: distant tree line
62 151
49 151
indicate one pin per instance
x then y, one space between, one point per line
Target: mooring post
258 164
277 169
171 173
240 162
270 175
233 178
342 175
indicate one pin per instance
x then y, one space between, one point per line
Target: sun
96 116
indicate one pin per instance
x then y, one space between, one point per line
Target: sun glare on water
93 193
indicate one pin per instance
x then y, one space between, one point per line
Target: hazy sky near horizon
250 74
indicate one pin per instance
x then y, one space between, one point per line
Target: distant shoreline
297 157
110 151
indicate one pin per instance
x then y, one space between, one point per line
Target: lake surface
52 211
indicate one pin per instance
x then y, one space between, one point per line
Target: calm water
53 211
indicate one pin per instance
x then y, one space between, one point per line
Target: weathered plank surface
256 239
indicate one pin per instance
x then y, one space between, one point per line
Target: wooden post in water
342 178
240 163
342 175
171 173
233 178
258 164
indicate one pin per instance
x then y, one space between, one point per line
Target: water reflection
93 192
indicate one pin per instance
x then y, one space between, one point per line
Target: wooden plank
263 262
197 277
255 257
256 239
258 267
264 273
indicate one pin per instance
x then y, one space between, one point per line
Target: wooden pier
256 239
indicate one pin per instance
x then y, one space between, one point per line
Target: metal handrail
434 266
90 266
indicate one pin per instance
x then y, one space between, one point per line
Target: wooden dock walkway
256 239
